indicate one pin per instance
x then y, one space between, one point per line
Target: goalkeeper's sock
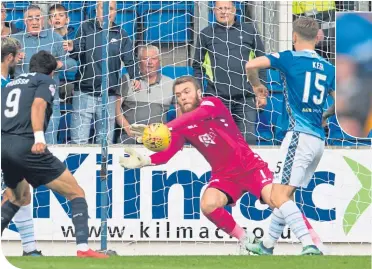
25 225
80 220
293 217
223 220
8 210
276 228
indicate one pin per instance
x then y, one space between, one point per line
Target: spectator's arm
128 57
199 58
120 118
121 95
78 44
68 64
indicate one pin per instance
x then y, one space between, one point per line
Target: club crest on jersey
52 88
208 139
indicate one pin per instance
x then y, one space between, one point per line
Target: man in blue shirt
35 39
10 56
309 80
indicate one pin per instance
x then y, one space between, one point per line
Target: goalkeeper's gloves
135 159
137 129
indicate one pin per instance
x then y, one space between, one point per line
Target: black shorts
18 162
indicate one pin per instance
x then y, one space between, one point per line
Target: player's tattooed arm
253 66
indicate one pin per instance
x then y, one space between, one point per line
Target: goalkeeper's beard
194 105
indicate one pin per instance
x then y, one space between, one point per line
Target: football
156 137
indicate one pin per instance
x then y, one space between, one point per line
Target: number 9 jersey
16 101
309 79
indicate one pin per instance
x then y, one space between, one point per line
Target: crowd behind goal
141 91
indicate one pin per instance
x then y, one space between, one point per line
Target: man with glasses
35 39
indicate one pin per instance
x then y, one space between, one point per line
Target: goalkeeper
208 125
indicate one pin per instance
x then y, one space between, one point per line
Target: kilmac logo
362 200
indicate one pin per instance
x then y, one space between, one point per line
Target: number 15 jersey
17 98
309 80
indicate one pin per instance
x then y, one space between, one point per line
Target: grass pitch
196 262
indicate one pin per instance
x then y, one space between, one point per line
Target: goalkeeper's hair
43 62
185 79
306 28
9 46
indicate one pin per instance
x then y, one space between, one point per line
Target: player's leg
46 169
302 157
219 194
13 179
11 206
24 222
67 186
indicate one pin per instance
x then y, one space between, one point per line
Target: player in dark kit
26 107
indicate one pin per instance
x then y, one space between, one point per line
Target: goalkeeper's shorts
18 162
252 182
299 157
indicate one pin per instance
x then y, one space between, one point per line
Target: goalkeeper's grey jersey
17 98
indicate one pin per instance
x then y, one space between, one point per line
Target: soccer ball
156 137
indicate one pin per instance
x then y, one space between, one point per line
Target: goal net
156 210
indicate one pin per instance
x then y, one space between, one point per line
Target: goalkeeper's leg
212 206
67 186
24 222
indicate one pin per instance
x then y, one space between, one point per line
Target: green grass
196 262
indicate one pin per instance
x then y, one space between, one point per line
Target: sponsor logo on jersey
208 139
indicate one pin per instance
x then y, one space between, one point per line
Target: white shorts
299 156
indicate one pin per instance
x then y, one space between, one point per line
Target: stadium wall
156 210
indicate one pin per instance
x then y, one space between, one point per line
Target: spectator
353 73
151 103
222 50
34 39
59 20
7 28
323 12
87 99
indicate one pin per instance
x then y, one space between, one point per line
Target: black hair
43 62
